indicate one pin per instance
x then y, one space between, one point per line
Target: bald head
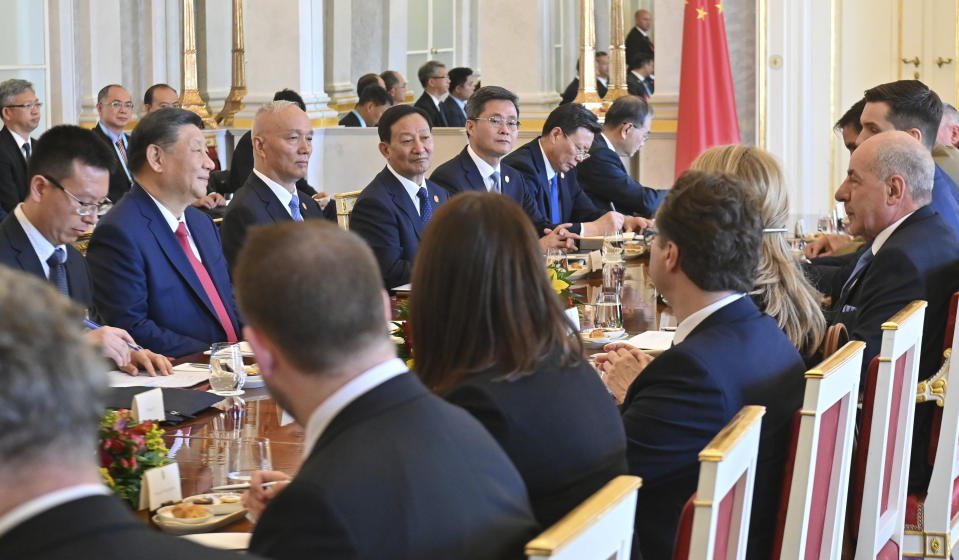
282 142
899 153
644 19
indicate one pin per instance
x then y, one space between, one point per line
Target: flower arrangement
127 450
559 280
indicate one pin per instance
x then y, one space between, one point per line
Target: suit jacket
14 182
119 181
97 527
945 199
460 175
143 282
567 446
920 260
386 218
569 94
737 356
575 206
241 166
350 120
425 102
255 204
604 179
400 474
638 87
17 252
637 43
452 113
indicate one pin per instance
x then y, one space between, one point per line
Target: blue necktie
58 272
426 209
863 261
555 215
295 208
496 186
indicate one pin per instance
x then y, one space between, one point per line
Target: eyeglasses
169 105
645 134
498 122
27 106
118 104
581 153
85 208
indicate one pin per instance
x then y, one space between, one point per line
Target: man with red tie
157 264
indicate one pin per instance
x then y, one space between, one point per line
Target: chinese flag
707 102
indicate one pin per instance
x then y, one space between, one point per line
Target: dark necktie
26 150
58 272
497 188
555 215
426 209
295 208
861 264
208 287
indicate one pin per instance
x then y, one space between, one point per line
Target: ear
671 256
262 349
470 125
385 149
895 189
623 130
257 142
38 187
155 158
915 133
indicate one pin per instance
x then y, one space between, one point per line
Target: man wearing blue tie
282 143
395 207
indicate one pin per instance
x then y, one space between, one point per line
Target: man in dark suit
491 130
157 264
372 103
393 209
462 85
639 79
637 40
21 115
547 166
603 176
444 488
282 144
436 84
726 354
910 254
54 505
115 108
395 84
602 76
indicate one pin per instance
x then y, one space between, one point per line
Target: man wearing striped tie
115 109
282 143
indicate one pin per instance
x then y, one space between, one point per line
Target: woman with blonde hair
781 290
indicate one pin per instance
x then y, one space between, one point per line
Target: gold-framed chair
344 207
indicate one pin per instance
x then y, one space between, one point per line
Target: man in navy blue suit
443 487
727 354
157 264
436 84
393 209
491 130
547 163
68 180
282 144
462 84
603 176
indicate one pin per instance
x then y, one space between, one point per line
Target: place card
148 405
160 485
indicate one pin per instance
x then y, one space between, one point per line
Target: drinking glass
608 312
556 255
227 373
613 247
246 456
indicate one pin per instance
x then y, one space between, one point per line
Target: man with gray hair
54 504
945 153
20 112
910 253
436 84
282 144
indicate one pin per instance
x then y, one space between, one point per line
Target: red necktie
122 149
207 283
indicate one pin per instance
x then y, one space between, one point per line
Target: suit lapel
16 155
402 201
273 205
471 173
26 256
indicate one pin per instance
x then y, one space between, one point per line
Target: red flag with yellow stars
707 101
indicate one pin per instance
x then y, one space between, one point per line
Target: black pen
91 325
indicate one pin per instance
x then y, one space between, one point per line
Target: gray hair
427 70
12 88
54 381
949 114
910 160
267 109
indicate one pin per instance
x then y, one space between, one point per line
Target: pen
244 485
91 325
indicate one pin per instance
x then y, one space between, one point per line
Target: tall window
431 34
24 47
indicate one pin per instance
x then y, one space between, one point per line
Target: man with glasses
547 163
436 84
491 131
67 193
20 111
115 108
603 176
395 84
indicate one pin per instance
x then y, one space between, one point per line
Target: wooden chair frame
344 207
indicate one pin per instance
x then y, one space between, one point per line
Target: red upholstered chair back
714 524
813 506
886 436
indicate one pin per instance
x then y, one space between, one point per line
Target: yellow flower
558 285
107 479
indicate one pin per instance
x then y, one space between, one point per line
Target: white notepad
184 375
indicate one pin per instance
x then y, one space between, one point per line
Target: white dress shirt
40 504
174 223
436 101
20 140
359 117
113 140
411 187
883 236
279 191
354 389
694 319
41 246
485 169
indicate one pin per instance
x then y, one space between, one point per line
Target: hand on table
210 201
114 343
558 238
636 224
154 364
825 245
608 223
621 364
256 498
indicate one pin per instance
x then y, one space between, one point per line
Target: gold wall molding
190 98
234 101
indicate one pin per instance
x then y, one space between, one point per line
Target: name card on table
148 405
160 485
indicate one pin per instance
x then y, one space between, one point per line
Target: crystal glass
613 247
246 456
227 373
608 312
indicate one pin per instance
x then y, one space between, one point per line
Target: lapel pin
436 198
303 204
562 175
506 178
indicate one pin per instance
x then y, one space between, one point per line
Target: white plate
600 342
184 528
166 514
245 349
253 382
224 541
218 507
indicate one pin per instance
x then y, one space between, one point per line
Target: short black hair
427 70
458 76
911 105
569 117
376 94
391 78
290 95
640 60
55 152
717 226
105 90
148 94
395 113
627 109
160 127
852 117
476 104
365 81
